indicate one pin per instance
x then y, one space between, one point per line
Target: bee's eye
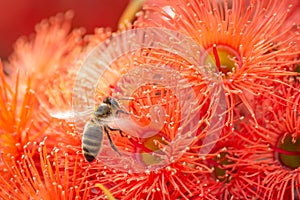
114 103
106 100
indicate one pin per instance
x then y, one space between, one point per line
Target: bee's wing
81 119
92 140
82 101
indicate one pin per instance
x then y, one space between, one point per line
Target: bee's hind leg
113 146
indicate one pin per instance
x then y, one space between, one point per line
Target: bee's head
112 102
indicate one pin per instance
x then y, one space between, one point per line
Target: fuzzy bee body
98 125
92 140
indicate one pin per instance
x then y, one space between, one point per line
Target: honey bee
93 131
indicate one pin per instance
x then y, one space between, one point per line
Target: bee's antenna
132 98
126 99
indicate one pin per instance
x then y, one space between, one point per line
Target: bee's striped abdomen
92 140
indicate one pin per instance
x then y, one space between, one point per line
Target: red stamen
215 52
138 145
285 152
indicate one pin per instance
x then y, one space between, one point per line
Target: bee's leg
116 129
122 111
110 141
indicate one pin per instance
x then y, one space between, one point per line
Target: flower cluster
251 124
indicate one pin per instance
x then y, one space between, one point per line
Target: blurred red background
18 18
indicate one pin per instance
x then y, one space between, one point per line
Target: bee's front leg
115 129
122 111
110 140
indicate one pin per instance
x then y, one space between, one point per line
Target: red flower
242 39
172 120
166 182
52 59
19 119
278 133
35 108
43 174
